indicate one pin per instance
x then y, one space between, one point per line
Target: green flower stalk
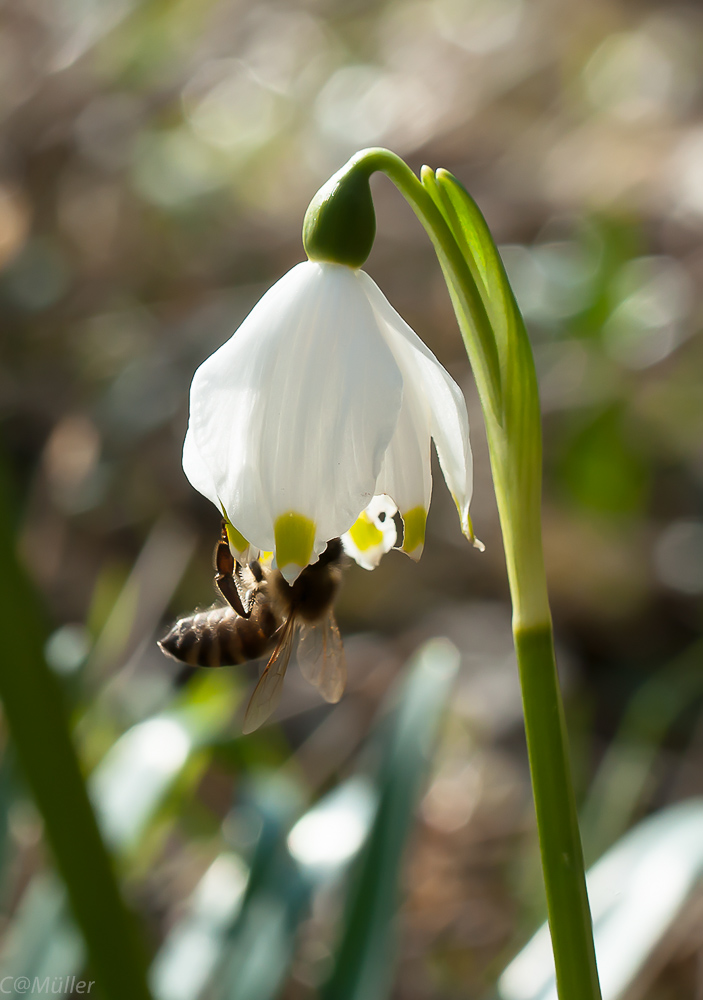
501 358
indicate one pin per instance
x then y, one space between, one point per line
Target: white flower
322 401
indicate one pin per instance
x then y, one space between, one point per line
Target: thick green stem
36 716
545 730
503 366
560 843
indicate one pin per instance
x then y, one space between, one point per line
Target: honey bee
265 614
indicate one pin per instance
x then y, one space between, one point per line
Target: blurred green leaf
37 720
129 789
240 926
602 469
613 241
7 796
244 941
330 834
365 957
260 947
136 774
42 939
193 947
135 609
621 781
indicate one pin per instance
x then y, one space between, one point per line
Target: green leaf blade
364 960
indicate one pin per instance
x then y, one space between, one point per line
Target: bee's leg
225 569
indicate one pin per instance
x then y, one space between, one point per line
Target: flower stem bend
501 358
468 304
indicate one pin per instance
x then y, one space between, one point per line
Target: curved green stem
501 358
468 304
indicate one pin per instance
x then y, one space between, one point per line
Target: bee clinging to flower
265 614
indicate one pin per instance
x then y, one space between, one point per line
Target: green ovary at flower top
314 420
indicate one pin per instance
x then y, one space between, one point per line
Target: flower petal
449 422
240 548
293 414
406 474
198 475
197 472
372 534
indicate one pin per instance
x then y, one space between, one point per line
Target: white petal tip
467 527
246 555
372 534
367 560
290 572
415 553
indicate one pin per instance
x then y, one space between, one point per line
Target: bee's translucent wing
320 654
267 692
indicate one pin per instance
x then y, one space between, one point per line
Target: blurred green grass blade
621 781
328 836
603 466
271 804
37 718
261 955
239 929
7 797
262 940
364 961
128 789
42 939
136 774
192 950
138 607
244 920
636 890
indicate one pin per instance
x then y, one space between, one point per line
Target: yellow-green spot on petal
364 533
236 539
414 522
295 537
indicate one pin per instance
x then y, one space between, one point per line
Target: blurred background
156 159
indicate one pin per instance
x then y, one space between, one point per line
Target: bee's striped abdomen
220 637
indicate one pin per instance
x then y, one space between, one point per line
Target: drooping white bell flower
323 400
